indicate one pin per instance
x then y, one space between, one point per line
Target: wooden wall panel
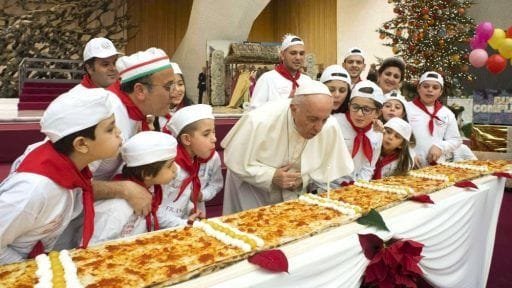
163 23
313 20
160 23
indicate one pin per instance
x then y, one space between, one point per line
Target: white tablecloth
458 233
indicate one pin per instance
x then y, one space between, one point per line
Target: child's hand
195 215
434 154
378 126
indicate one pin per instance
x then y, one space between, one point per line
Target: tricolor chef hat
100 48
142 63
368 89
148 147
74 111
335 72
354 51
312 87
188 115
400 126
176 68
395 95
431 75
290 40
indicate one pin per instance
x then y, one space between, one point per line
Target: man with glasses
282 82
147 80
275 152
100 57
354 64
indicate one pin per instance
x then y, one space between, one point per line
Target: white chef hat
395 95
290 40
188 115
99 47
148 147
176 68
335 72
432 75
74 111
354 51
368 89
142 63
400 126
312 87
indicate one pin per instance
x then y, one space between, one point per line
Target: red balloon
509 32
496 64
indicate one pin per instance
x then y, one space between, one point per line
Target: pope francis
274 152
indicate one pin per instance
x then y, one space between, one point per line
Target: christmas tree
431 36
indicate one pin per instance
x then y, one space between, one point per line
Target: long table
458 233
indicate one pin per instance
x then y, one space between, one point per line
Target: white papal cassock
264 140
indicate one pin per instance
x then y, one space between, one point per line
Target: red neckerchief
192 168
156 200
165 129
87 82
361 138
46 161
133 111
437 106
383 161
281 69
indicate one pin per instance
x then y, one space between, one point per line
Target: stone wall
56 29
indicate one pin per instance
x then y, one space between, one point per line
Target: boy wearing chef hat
51 183
433 123
282 82
362 141
99 58
149 158
354 63
193 126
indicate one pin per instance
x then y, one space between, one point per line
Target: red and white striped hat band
142 63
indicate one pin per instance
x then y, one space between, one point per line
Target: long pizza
170 256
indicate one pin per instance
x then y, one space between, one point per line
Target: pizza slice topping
340 206
466 166
433 176
56 270
230 235
401 190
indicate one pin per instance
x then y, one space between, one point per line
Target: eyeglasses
167 87
364 109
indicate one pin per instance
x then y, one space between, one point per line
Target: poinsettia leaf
411 247
272 260
371 244
373 219
423 198
411 266
465 184
502 174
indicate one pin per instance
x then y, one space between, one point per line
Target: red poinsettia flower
392 265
